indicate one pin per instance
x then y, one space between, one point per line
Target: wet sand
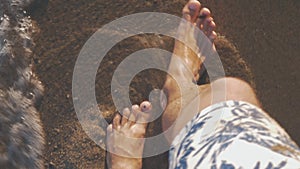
265 32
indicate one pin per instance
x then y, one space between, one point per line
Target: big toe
146 106
144 114
191 10
116 122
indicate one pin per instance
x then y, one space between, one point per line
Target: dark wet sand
265 32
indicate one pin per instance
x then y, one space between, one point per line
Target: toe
144 115
207 24
210 32
135 111
145 106
204 13
116 122
213 36
191 10
212 26
109 129
126 114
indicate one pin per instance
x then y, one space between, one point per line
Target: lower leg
223 89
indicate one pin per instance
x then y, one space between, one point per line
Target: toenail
193 7
144 108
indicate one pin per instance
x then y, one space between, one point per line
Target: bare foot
125 137
185 63
193 17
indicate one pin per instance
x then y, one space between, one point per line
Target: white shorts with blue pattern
233 135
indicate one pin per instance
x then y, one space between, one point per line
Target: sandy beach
265 32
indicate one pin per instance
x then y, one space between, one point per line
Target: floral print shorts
233 135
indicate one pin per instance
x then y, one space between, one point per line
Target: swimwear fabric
233 135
